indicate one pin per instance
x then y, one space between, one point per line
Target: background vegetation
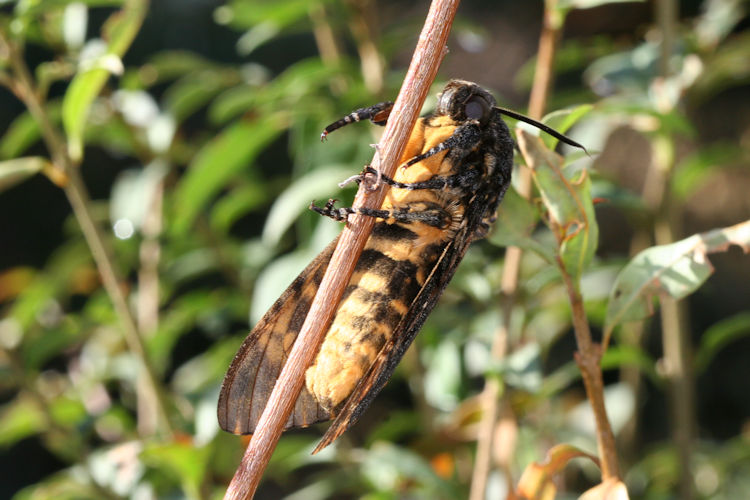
187 132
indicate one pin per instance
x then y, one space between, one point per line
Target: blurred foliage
222 161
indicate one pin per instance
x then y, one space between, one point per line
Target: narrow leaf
118 31
295 200
562 120
719 336
217 162
14 171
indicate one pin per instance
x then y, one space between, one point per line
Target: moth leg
465 136
377 114
435 217
436 182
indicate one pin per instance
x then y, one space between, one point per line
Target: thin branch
589 353
78 197
589 358
422 70
490 396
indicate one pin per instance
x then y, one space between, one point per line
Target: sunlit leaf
318 185
171 64
19 419
237 203
64 485
40 347
23 132
386 467
195 90
228 154
182 460
562 120
14 171
677 269
247 14
119 32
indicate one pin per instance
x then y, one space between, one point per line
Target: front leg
437 182
377 114
432 216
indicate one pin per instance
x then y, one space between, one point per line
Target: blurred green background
201 154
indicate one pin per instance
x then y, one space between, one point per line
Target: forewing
393 350
256 366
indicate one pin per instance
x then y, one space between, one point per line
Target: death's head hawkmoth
455 170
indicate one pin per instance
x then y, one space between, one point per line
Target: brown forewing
258 363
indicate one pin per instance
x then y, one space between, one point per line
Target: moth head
464 101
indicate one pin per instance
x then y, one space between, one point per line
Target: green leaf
247 14
589 4
183 461
23 132
14 171
20 419
295 200
677 269
118 31
171 64
237 203
193 91
217 162
562 120
570 208
389 468
719 336
41 346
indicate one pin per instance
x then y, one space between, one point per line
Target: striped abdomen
387 277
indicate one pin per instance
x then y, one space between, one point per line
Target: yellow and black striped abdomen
386 279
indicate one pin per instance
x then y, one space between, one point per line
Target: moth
453 174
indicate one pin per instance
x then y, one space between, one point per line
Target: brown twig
543 74
589 358
422 70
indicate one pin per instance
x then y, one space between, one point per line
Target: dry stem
425 62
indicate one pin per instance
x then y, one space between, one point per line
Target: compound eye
477 108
